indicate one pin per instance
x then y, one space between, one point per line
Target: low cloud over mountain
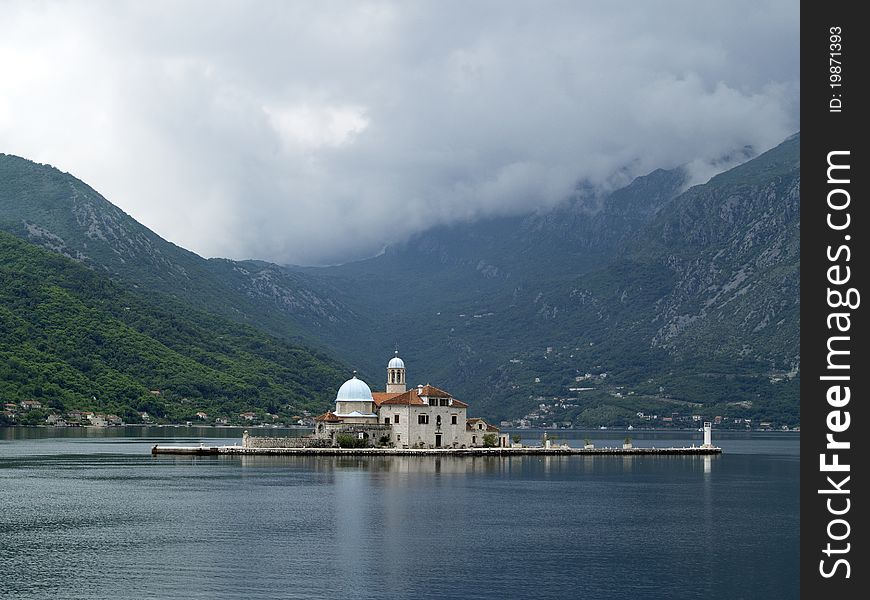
317 132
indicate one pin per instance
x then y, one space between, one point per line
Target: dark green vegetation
346 440
73 339
672 302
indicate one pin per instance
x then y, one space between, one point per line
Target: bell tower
396 375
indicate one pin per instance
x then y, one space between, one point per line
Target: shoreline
560 431
558 451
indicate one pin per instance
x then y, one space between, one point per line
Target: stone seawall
286 442
563 451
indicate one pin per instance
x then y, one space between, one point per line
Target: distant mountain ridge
57 211
681 297
688 296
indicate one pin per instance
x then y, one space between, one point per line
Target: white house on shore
422 417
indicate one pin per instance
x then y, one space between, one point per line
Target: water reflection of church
422 417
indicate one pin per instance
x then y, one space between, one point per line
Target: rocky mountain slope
57 211
678 297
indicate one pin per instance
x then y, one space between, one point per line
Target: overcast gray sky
317 132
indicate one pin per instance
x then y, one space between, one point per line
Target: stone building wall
409 432
371 432
324 438
285 442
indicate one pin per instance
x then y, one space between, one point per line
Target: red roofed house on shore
422 417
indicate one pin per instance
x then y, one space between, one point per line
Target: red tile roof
433 392
408 398
329 417
413 395
380 397
430 391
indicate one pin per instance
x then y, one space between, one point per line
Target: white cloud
313 126
318 132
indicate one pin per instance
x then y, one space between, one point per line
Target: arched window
438 420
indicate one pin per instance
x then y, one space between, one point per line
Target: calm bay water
91 514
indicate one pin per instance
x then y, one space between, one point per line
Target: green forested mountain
45 206
73 339
649 299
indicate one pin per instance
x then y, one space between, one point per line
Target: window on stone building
422 419
453 419
445 402
386 420
395 418
438 420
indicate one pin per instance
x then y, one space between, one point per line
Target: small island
398 421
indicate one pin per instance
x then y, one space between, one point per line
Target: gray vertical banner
834 260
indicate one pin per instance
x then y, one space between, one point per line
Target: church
421 417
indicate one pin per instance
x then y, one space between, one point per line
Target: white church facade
421 417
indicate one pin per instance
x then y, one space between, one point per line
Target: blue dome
396 363
354 389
